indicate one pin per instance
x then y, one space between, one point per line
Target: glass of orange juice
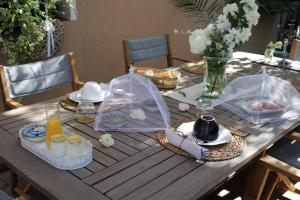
53 126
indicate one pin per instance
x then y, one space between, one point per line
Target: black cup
206 128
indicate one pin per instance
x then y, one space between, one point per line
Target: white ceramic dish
224 137
186 129
65 163
29 134
246 106
113 120
150 105
76 96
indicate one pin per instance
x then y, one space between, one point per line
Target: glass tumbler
204 106
85 111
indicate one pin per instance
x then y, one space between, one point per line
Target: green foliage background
207 10
21 26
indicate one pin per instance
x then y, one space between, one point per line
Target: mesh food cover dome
261 98
132 103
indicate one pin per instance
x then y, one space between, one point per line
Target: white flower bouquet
230 29
218 40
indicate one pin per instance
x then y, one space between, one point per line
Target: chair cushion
286 151
148 48
36 77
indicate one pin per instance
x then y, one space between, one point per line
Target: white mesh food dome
260 98
132 103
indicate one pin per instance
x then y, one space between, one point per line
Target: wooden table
136 167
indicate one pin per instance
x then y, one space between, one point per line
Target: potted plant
25 27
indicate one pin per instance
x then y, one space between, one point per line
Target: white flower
231 34
252 18
138 114
230 9
223 23
107 140
245 34
198 41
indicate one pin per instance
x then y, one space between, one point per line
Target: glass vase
269 56
215 78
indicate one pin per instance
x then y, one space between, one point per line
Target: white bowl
92 91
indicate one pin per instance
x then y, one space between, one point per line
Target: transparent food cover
260 98
132 103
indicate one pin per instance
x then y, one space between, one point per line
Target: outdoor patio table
137 166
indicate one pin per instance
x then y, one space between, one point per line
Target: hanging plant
22 25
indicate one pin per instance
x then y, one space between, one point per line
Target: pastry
256 107
166 74
149 72
74 145
270 105
58 145
281 105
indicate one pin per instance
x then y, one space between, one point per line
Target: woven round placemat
296 84
216 153
70 105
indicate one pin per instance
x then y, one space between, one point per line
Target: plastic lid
74 139
58 138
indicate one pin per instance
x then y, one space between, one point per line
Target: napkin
188 95
186 143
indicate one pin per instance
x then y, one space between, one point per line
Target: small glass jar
204 106
269 55
74 145
85 111
58 145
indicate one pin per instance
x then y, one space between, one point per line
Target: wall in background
96 37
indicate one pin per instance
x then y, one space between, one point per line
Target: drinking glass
85 111
204 106
53 126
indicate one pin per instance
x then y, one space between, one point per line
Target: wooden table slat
123 164
132 171
147 176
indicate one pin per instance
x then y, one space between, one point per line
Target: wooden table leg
13 183
256 176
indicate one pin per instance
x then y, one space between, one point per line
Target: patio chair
283 159
137 50
295 50
23 80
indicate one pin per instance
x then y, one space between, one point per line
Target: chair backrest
23 80
295 50
136 50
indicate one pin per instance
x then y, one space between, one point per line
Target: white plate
76 96
224 137
224 134
66 163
